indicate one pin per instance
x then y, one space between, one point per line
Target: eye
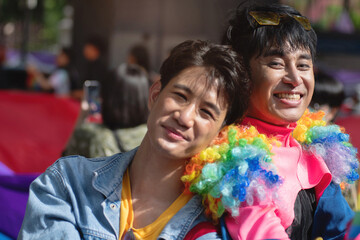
276 64
304 66
181 96
208 113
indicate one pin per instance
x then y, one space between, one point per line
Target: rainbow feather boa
238 166
331 143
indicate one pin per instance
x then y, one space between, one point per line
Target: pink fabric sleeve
256 222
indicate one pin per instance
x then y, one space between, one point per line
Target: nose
186 115
293 76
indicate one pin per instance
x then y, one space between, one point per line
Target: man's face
184 116
90 52
62 59
283 86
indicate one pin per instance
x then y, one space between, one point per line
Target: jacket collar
184 220
108 178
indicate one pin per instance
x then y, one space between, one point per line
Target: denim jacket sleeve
332 214
49 214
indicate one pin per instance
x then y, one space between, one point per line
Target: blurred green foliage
355 15
46 14
53 12
328 18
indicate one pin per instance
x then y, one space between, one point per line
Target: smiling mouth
289 96
175 134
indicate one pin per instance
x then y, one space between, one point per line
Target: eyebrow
274 52
281 53
306 56
189 91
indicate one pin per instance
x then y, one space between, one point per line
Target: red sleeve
200 230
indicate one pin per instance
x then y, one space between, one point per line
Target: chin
171 150
290 116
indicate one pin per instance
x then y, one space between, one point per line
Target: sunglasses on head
273 19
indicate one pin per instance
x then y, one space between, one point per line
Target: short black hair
327 91
124 97
68 52
252 40
221 64
141 54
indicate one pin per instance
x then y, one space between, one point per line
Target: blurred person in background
60 80
139 54
2 55
2 61
124 95
328 95
355 101
93 51
10 77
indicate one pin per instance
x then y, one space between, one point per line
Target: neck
152 173
281 133
155 183
284 124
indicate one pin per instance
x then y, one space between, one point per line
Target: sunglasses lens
303 21
271 18
265 18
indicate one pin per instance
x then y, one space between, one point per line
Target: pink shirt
298 169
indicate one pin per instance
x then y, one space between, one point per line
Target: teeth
289 96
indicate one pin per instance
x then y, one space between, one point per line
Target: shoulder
60 74
332 214
75 161
79 167
331 143
91 129
132 137
89 139
141 129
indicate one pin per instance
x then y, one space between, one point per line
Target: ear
154 93
331 115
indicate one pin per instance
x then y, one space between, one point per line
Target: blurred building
158 24
161 24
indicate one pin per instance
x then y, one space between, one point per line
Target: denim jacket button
113 206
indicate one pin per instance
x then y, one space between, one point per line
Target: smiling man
279 48
311 159
284 83
139 194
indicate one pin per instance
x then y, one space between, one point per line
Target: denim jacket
79 198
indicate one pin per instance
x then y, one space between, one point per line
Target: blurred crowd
113 101
66 79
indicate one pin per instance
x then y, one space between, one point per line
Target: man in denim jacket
139 194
